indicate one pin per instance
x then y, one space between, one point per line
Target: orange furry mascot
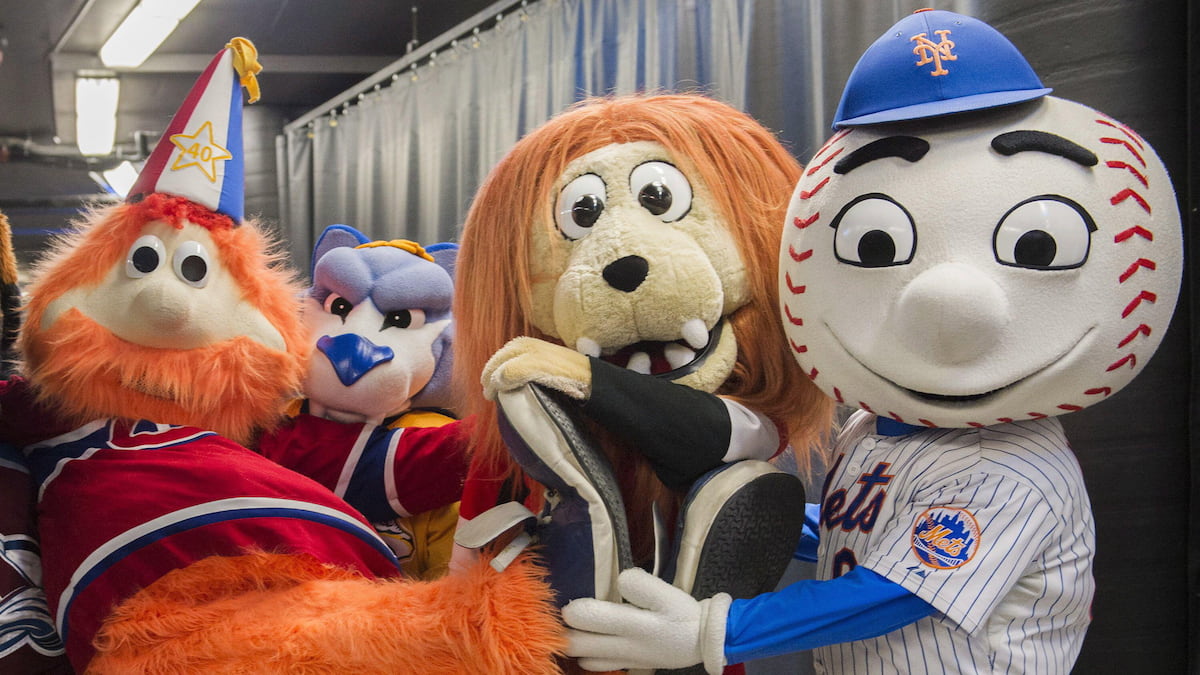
161 336
621 250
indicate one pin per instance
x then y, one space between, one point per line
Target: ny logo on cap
934 52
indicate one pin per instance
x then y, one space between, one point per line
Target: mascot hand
526 359
664 627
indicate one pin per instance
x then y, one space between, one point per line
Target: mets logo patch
945 537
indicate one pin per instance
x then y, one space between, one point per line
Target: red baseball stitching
1125 130
866 407
927 423
1140 262
837 394
805 194
796 290
1136 229
1133 304
800 349
1131 359
1142 329
836 137
825 161
795 320
1122 141
1118 164
1005 420
977 425
812 374
896 417
1037 415
799 257
1126 194
1070 407
798 222
1099 390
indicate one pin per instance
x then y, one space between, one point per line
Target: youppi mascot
964 260
163 336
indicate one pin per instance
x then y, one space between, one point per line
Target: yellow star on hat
198 152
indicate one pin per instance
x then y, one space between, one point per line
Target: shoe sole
742 524
547 438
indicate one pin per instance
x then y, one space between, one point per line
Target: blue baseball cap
933 63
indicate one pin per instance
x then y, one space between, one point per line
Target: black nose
626 274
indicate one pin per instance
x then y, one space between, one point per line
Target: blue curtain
405 160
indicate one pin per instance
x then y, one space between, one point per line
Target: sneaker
582 532
738 527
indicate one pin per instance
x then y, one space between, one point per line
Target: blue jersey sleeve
858 605
810 534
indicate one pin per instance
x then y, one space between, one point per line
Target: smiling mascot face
981 268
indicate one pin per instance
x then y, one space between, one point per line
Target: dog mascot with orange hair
617 292
161 338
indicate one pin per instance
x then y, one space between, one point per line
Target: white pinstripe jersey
992 526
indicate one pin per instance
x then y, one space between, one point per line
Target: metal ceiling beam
67 62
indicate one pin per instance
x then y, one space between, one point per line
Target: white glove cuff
714 611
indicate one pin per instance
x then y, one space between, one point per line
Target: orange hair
82 371
750 176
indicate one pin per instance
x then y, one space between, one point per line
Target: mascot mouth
952 399
669 360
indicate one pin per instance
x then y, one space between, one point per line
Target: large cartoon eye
579 205
404 318
338 306
191 263
662 190
1044 233
146 254
874 231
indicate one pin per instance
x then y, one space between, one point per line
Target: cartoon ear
335 236
445 254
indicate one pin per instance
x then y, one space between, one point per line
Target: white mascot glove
664 627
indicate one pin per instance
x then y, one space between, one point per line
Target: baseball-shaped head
982 267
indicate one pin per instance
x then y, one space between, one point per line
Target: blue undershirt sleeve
857 605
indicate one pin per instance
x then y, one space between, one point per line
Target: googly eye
192 263
1044 233
404 318
662 190
579 205
338 306
146 254
874 231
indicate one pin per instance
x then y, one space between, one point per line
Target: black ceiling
311 50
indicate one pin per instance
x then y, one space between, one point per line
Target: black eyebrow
910 148
1041 141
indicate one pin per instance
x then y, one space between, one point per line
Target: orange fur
84 371
266 613
8 259
751 177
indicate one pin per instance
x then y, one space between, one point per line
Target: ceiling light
142 31
96 114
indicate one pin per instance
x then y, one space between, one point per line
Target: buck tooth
678 355
695 333
639 362
587 347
